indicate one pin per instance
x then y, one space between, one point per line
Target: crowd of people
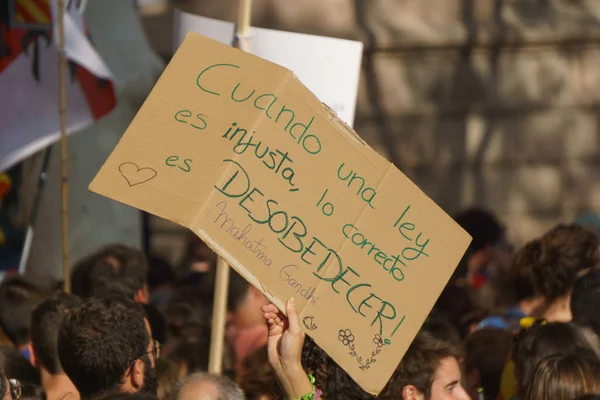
521 325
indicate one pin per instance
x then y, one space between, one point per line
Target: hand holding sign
292 199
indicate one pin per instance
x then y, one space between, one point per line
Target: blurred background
491 103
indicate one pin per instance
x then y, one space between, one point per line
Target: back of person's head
522 276
98 342
455 304
565 377
46 320
486 353
585 301
544 340
257 379
19 295
204 386
418 366
330 378
16 366
549 266
114 269
589 397
160 272
482 225
579 247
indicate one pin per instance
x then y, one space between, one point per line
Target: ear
32 357
136 377
410 392
142 296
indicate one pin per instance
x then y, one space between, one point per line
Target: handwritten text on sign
236 149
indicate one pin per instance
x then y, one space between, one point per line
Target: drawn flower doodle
346 336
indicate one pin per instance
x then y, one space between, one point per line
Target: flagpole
62 113
34 211
215 361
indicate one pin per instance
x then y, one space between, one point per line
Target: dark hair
549 266
419 364
257 378
482 226
139 395
522 273
486 352
238 290
157 322
565 377
332 379
588 397
160 272
30 391
585 301
45 324
19 295
541 341
98 341
16 366
114 269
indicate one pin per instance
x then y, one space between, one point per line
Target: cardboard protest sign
238 150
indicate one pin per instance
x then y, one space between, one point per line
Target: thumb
292 314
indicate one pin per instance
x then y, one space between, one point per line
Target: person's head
544 340
16 366
244 302
104 345
19 296
45 324
549 266
203 386
486 232
566 252
486 353
428 371
161 278
523 277
257 379
114 269
585 301
565 377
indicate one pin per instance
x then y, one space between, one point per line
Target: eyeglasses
156 346
15 389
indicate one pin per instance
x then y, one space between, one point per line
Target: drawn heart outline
134 175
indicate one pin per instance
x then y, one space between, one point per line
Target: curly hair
549 266
333 380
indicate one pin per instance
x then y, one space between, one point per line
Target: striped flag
29 77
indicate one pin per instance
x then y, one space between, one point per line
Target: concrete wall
95 220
